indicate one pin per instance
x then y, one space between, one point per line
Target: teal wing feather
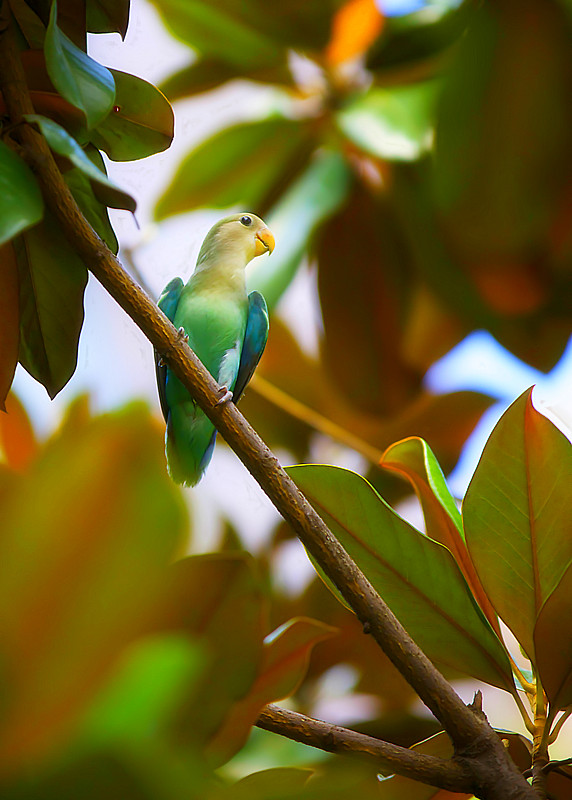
255 338
168 303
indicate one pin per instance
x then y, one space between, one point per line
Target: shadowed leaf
417 577
553 643
107 16
516 515
21 204
9 320
279 783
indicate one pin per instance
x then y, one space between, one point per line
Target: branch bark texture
477 748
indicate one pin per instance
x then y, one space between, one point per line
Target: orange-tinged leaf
9 320
284 663
354 28
517 514
414 460
17 437
553 643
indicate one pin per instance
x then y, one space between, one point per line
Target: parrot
225 327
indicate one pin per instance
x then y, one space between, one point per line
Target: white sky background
115 359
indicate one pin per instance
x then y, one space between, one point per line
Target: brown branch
477 747
384 755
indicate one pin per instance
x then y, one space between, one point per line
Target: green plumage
227 330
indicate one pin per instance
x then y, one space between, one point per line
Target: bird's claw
226 396
183 335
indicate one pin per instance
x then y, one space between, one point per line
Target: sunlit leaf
413 459
82 81
85 542
65 145
9 319
393 124
140 124
417 577
355 26
306 204
553 642
21 204
284 663
17 438
52 282
516 514
107 16
236 166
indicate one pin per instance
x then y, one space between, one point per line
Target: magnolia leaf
107 16
553 643
9 320
80 80
21 204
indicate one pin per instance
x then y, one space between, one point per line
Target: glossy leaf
80 80
516 515
140 124
236 166
417 577
9 320
17 438
392 124
305 205
93 210
21 204
553 643
284 662
107 16
414 460
52 282
82 567
219 31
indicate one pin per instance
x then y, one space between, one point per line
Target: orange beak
264 242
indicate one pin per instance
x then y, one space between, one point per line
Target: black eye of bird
246 221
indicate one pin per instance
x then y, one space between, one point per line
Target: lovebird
226 328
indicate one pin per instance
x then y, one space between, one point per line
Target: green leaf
107 16
278 783
21 204
92 208
414 460
9 320
80 80
553 643
65 145
140 124
83 562
211 73
219 31
517 513
52 283
417 577
393 124
236 166
311 199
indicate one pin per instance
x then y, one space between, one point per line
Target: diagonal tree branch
384 755
477 747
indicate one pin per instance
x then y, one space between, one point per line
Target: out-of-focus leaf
392 124
140 124
29 23
210 73
398 788
553 642
417 577
93 210
362 279
355 26
221 31
9 320
413 459
284 663
306 204
339 779
52 282
86 539
65 145
517 513
107 16
268 784
208 596
512 73
21 204
236 166
82 81
17 437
